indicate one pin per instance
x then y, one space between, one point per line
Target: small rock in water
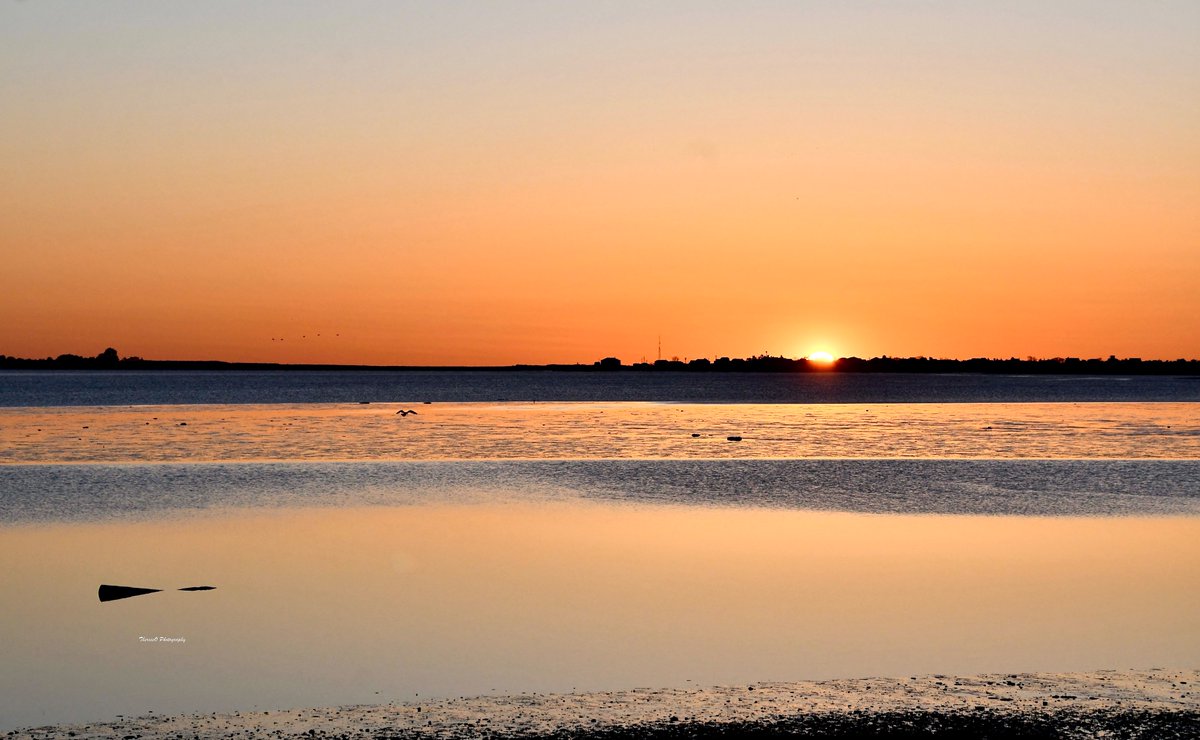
695 435
734 439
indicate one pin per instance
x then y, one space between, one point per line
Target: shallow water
355 605
363 556
108 388
462 431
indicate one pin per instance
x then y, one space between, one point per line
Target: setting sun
821 357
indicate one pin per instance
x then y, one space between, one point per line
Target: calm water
378 604
83 388
364 556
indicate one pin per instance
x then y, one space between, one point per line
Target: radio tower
660 346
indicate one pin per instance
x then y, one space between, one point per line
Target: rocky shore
1155 703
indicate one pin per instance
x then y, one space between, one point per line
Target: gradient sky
501 182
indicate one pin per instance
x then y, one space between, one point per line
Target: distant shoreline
110 361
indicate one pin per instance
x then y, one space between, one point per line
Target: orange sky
527 182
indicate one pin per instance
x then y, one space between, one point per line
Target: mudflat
1156 703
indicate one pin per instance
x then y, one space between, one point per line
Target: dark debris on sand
899 725
902 725
1125 705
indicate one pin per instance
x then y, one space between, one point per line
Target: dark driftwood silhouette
113 593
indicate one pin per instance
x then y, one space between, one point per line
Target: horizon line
110 358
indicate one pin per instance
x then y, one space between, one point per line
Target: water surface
464 431
119 388
358 605
360 555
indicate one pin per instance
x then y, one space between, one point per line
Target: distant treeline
109 359
1031 365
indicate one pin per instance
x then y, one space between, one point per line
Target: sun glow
820 357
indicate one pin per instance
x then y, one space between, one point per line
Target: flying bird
405 412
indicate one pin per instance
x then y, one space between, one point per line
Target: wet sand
1155 703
